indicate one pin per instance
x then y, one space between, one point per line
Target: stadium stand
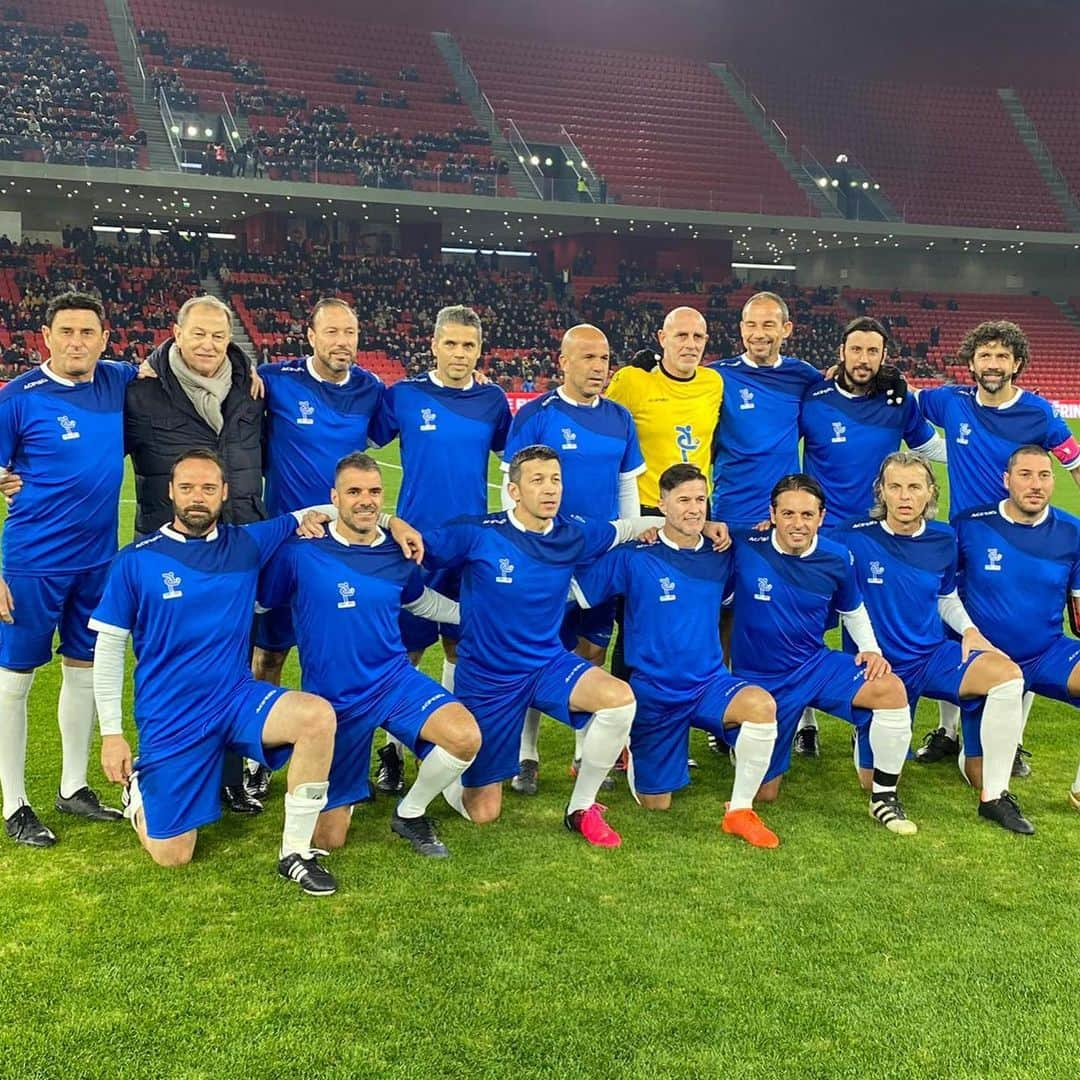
948 155
64 99
662 131
1056 117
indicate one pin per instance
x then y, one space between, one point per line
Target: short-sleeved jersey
446 435
673 600
66 441
675 419
845 439
188 604
901 578
782 602
311 424
346 599
1016 580
980 439
757 440
597 444
514 584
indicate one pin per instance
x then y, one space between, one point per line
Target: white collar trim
318 378
750 363
577 404
776 547
172 534
434 377
675 547
907 536
512 518
1030 524
45 369
1004 405
380 537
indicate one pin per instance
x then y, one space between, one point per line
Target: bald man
598 446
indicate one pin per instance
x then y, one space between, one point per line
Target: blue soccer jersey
980 439
311 424
1017 579
188 604
784 602
596 443
446 435
901 578
845 439
757 439
673 600
345 600
66 441
514 584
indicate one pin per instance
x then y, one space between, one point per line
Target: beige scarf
206 393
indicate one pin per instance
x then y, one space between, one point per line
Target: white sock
579 740
1029 700
890 737
753 752
448 670
75 712
134 802
14 690
949 717
961 760
438 770
1076 782
454 794
530 734
1002 725
609 731
303 805
808 719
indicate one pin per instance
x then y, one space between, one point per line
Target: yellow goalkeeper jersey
675 419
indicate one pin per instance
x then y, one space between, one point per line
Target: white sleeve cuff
860 629
630 528
629 500
435 607
109 678
953 613
935 449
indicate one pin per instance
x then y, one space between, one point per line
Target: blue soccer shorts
402 706
660 736
420 634
44 605
274 629
181 791
594 624
498 700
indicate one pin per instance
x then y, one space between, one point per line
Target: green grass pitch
848 952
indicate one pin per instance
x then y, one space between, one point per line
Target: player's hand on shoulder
874 663
258 387
7 604
649 536
718 533
408 539
313 525
115 758
480 377
145 371
973 641
763 526
10 485
892 384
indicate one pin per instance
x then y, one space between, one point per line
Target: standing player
61 431
346 591
1020 567
601 463
906 564
787 581
848 425
674 590
983 425
185 595
447 425
516 571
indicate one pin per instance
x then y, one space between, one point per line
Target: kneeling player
906 565
787 581
673 592
185 594
347 591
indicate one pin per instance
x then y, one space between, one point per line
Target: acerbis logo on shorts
265 698
575 669
431 701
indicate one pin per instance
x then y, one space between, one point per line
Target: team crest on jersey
839 432
506 569
876 570
764 587
427 419
963 435
747 398
569 439
993 559
69 428
172 586
685 441
667 590
307 411
346 592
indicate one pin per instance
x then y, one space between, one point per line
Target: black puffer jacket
160 423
